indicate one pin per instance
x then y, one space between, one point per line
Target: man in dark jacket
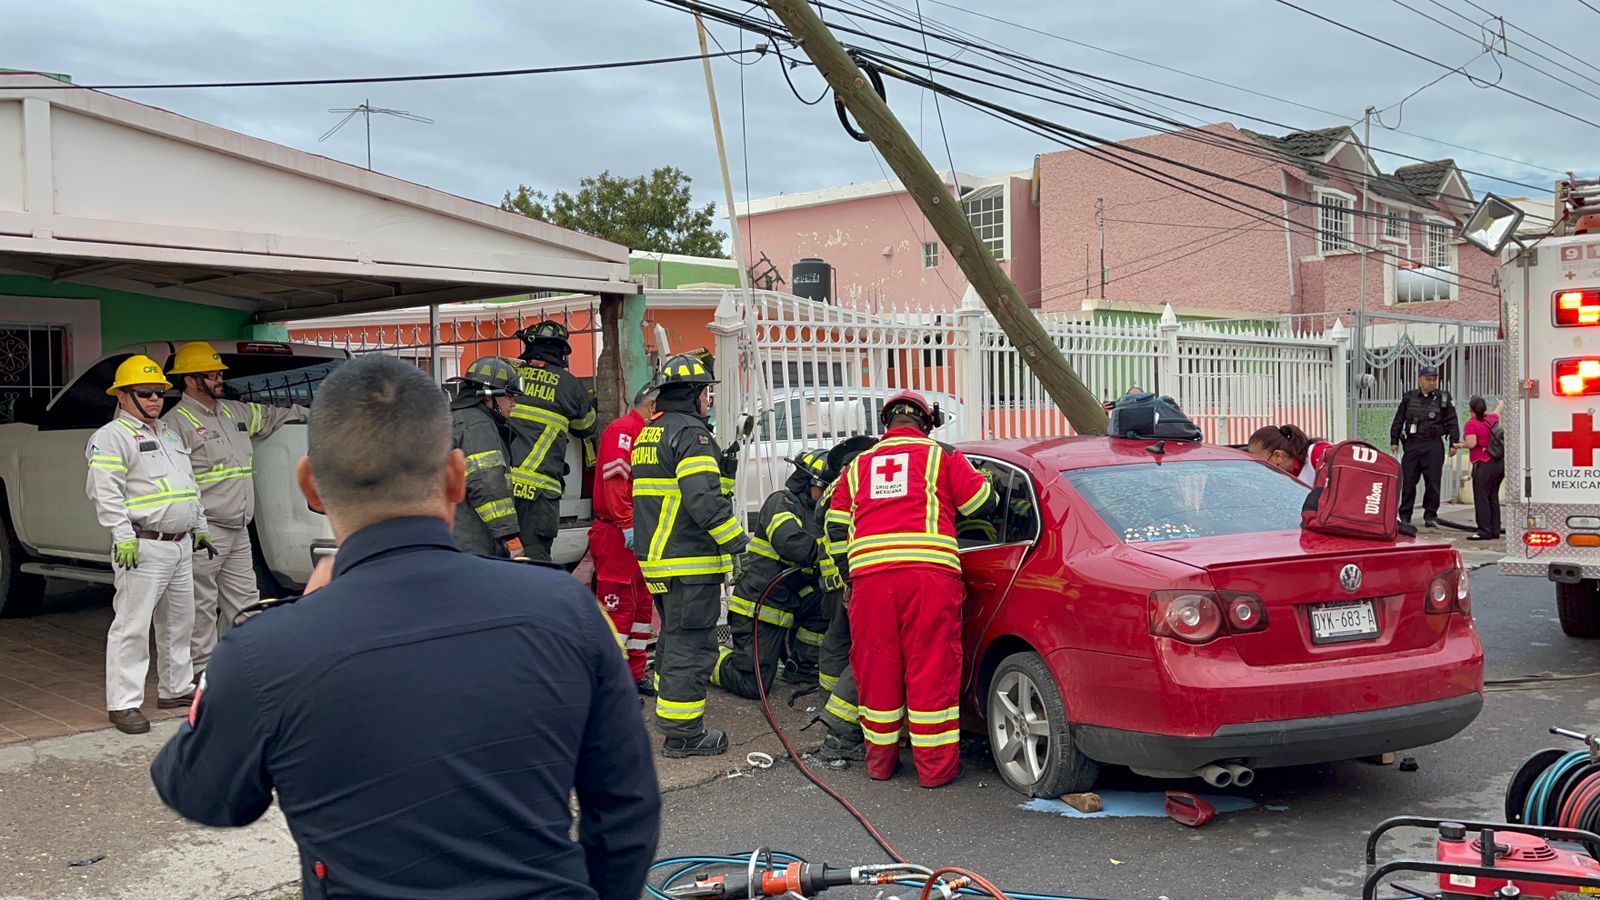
426 716
486 523
553 404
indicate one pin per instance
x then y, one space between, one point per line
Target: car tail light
1449 591
1577 376
1584 540
1463 588
1196 617
1541 538
1439 591
1577 308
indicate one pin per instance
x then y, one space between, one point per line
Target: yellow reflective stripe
529 470
132 428
936 717
488 459
935 740
655 487
770 615
545 417
255 419
808 637
685 565
680 710
108 461
669 514
495 509
781 518
716 671
847 711
931 486
727 532
880 738
838 517
161 498
584 423
193 419
883 716
695 464
978 499
761 548
728 485
217 474
906 442
828 681
880 557
904 539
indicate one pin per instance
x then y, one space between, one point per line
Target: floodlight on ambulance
1578 376
1577 307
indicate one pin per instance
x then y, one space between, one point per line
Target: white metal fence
813 374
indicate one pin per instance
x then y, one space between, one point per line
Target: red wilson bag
1356 493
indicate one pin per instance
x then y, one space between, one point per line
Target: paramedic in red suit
618 582
903 497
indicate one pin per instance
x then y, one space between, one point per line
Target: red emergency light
1541 538
1577 307
1578 376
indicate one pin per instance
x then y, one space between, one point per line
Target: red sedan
1164 611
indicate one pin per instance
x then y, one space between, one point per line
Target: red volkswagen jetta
1157 606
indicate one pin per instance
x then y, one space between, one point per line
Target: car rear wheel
1029 734
20 593
1578 605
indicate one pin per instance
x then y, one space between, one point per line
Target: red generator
1490 859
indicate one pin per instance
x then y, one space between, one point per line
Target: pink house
1161 243
881 248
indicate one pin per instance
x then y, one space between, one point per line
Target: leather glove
514 548
627 538
126 554
728 463
202 541
589 455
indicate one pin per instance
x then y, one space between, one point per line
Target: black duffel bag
1151 417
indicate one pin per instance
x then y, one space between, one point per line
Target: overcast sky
548 131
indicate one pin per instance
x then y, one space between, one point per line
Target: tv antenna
366 111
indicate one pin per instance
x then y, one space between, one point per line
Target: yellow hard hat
138 369
196 357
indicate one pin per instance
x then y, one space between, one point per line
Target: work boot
1430 522
646 686
129 721
183 702
706 743
835 747
795 673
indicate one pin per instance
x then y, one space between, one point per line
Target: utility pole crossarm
944 213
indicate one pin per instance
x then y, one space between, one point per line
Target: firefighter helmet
812 464
546 330
911 403
493 376
684 369
195 358
136 370
845 452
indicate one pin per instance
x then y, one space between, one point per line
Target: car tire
1578 605
1029 733
20 593
267 585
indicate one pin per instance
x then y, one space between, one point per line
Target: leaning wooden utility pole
944 213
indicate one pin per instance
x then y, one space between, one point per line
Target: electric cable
1509 42
1590 6
383 79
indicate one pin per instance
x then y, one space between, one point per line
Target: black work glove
728 463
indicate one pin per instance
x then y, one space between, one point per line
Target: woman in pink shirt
1487 471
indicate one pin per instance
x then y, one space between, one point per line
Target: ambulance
1550 288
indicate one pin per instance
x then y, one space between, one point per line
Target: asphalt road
1301 836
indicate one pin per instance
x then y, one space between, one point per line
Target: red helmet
911 403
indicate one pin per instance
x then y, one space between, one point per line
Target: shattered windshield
1177 500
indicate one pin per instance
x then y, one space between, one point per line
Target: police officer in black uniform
486 522
1426 414
553 404
685 535
787 536
426 715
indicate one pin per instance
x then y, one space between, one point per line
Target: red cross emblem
1580 440
889 468
1571 275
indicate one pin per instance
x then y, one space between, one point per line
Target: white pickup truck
48 527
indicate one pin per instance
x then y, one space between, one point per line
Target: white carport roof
103 191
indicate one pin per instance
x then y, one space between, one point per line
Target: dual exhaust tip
1221 775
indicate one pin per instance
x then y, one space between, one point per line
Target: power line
1591 6
1515 26
1509 42
1488 47
382 79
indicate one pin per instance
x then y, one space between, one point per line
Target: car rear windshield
1177 500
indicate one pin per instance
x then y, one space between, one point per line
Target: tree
654 212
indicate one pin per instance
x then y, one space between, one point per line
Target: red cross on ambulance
1580 439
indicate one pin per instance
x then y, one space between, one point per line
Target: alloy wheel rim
1019 729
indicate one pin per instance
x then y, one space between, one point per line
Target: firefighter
145 494
486 522
219 435
786 536
840 714
1426 414
618 582
553 403
903 498
685 537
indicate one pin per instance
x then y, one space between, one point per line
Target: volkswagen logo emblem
1350 578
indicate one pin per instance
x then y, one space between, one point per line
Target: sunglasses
146 393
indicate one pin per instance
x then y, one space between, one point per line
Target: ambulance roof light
1492 225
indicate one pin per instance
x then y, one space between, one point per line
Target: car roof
1083 452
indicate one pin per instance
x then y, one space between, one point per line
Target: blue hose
1533 807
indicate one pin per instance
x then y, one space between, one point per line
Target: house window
930 254
1335 222
1438 249
33 365
986 211
1434 277
1397 225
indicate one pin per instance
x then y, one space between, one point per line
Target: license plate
1351 620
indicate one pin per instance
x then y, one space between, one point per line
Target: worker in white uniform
219 436
145 495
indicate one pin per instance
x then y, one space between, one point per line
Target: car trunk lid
1301 576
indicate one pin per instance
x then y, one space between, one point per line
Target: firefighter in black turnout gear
685 537
486 521
1426 414
787 534
844 740
553 404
